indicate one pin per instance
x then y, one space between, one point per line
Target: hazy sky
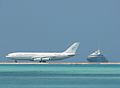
53 25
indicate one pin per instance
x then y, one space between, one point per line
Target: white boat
96 57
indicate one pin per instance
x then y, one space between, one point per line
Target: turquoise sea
59 76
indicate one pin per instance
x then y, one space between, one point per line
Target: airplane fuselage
39 56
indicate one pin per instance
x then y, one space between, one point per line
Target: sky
53 25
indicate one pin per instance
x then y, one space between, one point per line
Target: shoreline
60 63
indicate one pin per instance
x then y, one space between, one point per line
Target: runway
59 63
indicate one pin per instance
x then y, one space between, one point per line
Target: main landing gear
15 61
42 61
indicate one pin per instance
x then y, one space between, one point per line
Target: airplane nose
7 56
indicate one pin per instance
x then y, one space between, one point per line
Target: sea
59 76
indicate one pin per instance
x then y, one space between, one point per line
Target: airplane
43 57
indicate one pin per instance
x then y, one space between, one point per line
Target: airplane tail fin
72 48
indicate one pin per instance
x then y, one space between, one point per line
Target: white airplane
43 57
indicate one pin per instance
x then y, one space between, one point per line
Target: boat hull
97 59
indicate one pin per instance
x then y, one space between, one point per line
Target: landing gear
42 61
15 61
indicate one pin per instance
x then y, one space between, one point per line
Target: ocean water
59 76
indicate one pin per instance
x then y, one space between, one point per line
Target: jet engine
45 59
42 59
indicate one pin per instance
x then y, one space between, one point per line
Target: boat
96 56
